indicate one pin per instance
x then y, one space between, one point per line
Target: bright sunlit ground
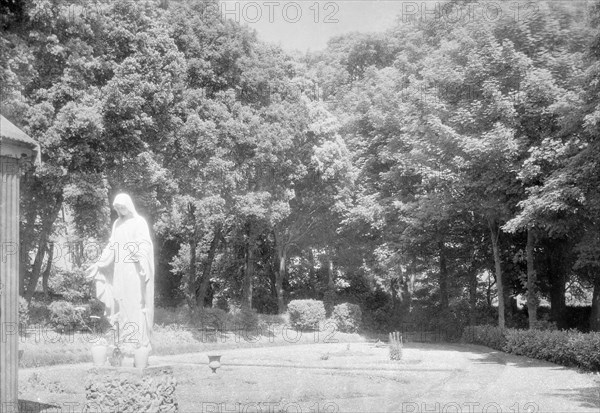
345 377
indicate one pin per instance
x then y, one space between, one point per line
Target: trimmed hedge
306 314
347 317
569 348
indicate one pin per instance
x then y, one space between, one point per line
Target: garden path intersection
358 377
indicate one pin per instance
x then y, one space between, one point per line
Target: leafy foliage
306 314
568 348
402 170
65 316
347 317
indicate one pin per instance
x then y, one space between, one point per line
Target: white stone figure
124 276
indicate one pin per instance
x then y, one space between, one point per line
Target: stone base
128 389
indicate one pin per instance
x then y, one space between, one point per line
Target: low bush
347 317
306 314
98 320
71 285
180 315
565 347
39 312
64 316
210 317
245 319
487 335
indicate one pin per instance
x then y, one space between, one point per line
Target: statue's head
124 205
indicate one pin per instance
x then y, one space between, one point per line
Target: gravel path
352 378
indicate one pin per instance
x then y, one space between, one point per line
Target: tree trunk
27 244
330 281
595 314
192 274
207 268
532 301
473 295
311 260
488 293
280 275
394 290
443 278
495 233
248 271
46 274
45 233
557 268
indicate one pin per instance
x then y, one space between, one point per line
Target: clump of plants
23 312
347 317
306 314
65 316
395 346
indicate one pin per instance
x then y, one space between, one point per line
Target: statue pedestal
128 389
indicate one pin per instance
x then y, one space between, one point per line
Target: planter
140 356
99 354
214 362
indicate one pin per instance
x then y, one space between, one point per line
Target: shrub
23 312
39 312
71 285
306 314
487 335
585 349
347 317
65 316
245 319
222 303
568 348
210 317
173 315
98 321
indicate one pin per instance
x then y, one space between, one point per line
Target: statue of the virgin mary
124 275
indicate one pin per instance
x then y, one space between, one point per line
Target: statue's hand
91 271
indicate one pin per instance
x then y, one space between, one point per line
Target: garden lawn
44 347
344 377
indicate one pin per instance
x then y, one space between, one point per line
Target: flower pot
140 356
214 362
99 355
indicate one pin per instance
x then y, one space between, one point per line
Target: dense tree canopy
432 173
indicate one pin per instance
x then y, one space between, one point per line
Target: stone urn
214 362
99 354
140 357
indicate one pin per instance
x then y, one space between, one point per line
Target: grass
44 347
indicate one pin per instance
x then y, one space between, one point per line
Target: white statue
124 276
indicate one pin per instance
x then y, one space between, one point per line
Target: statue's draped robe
124 285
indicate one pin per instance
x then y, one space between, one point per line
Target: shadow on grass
28 406
586 397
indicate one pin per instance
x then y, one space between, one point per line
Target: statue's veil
125 200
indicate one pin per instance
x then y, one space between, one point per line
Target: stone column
9 283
